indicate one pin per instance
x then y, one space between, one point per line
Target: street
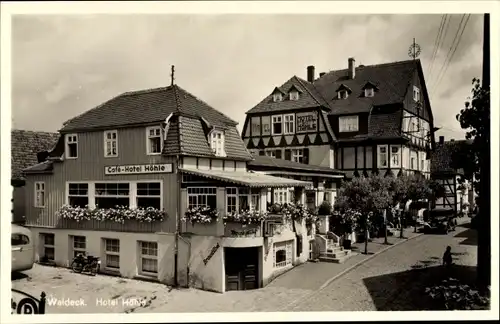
391 280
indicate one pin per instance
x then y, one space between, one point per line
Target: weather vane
414 50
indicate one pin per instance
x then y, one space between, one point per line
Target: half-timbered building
361 120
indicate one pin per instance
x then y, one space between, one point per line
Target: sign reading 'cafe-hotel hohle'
137 169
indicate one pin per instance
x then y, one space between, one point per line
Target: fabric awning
248 179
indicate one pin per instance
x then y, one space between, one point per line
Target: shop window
111 143
148 258
39 194
110 195
78 194
149 195
290 123
112 254
217 143
71 148
48 241
155 142
277 125
202 196
79 245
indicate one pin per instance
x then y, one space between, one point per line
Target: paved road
394 279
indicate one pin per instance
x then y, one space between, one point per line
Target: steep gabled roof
391 79
145 107
442 159
309 98
24 148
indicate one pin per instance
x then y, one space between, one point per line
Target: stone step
337 254
333 260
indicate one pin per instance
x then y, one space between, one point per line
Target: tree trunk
385 226
366 238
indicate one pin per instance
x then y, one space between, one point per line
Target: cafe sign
138 169
307 122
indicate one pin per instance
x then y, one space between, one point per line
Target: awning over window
248 179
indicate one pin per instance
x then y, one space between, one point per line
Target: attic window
277 97
294 95
369 92
342 94
154 138
416 93
71 146
217 143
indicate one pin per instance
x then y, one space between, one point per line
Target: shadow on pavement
18 276
405 291
470 236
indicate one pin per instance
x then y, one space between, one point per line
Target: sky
63 66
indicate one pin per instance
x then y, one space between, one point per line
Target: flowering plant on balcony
200 214
118 214
248 216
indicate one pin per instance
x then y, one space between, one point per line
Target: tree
475 118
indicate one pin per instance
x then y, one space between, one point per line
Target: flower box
246 217
119 214
202 215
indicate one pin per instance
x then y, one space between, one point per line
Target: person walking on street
447 259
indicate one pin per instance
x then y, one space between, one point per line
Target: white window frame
286 246
70 139
289 123
294 95
397 154
298 155
49 246
110 141
342 94
135 196
149 137
206 191
416 94
283 195
348 124
150 245
129 196
68 195
380 154
111 252
274 120
271 153
413 159
277 97
235 192
80 250
217 144
369 92
39 194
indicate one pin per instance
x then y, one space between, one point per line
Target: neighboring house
360 120
27 149
162 149
445 168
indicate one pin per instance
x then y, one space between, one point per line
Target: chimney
352 68
310 73
321 74
441 140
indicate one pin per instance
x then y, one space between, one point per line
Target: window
148 258
342 94
413 161
110 195
298 155
271 153
217 143
231 200
149 195
17 239
48 241
382 156
111 143
71 146
239 199
416 93
277 97
277 125
311 250
112 253
369 92
282 254
422 163
348 124
79 245
154 140
283 195
202 196
289 124
294 95
395 156
78 194
39 194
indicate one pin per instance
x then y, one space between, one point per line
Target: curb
354 266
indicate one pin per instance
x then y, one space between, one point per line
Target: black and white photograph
293 160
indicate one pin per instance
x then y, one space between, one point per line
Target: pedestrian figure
447 259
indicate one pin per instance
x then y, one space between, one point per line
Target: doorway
242 268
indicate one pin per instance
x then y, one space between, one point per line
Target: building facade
360 120
123 178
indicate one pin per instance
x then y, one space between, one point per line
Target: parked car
441 220
23 251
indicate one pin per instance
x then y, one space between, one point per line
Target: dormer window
416 94
71 146
294 95
217 143
342 94
154 140
277 97
369 92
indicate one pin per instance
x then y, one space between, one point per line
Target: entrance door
241 265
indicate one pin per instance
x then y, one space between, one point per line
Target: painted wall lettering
214 249
136 169
307 122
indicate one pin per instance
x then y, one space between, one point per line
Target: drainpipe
177 225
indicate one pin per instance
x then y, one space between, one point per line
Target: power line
452 51
441 42
436 42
